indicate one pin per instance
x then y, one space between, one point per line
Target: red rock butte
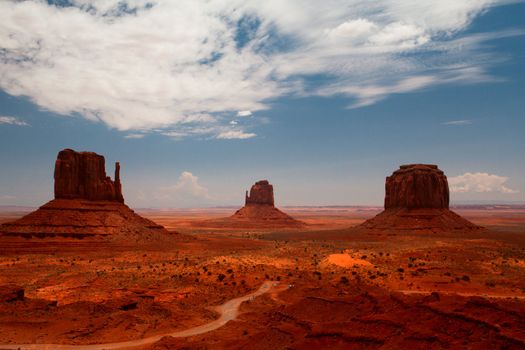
417 199
82 175
260 194
259 209
87 204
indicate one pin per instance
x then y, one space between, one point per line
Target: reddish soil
348 289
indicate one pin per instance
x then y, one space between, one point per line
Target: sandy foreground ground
334 287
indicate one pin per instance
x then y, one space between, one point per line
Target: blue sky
322 100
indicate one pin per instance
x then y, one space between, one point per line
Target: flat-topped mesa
417 186
260 194
82 175
417 200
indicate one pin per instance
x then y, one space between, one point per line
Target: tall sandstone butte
417 186
87 204
417 199
82 175
260 194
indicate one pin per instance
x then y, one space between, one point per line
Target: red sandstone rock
417 199
417 186
259 210
260 194
82 175
87 204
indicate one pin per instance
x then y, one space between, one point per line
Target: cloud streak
235 134
458 122
185 65
12 121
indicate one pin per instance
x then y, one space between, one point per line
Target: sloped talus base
79 219
419 220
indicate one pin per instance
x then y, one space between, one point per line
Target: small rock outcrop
11 293
87 204
82 175
417 198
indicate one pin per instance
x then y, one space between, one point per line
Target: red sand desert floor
334 287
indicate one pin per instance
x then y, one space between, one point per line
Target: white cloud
159 64
213 131
234 122
187 187
235 134
12 121
134 136
244 114
479 182
458 122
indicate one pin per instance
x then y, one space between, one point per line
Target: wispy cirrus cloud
12 121
458 122
134 136
162 65
236 134
231 132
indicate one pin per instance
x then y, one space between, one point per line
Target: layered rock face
260 194
417 198
417 186
87 204
82 175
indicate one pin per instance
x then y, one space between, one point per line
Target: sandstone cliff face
260 194
417 186
82 175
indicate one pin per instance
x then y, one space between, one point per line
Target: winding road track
229 311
